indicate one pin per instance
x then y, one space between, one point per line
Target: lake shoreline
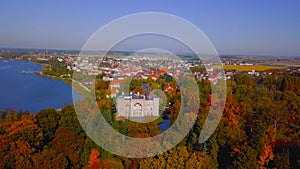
34 94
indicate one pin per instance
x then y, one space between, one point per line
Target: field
251 67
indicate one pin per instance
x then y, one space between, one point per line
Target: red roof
164 70
114 82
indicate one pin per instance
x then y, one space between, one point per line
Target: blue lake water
164 125
28 91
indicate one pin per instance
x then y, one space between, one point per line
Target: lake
164 125
23 90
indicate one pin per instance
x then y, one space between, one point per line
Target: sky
257 27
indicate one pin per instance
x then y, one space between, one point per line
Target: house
253 73
114 87
213 79
108 77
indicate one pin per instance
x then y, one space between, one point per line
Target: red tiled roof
114 82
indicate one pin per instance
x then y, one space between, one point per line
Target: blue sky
235 27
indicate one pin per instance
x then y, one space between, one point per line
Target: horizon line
129 51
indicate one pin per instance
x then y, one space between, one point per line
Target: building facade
137 106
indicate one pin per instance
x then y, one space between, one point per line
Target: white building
136 106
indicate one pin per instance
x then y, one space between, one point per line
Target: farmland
252 67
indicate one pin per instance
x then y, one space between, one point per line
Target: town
114 67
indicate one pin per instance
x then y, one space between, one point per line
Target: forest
260 128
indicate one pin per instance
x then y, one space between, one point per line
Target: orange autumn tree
22 139
268 154
94 162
